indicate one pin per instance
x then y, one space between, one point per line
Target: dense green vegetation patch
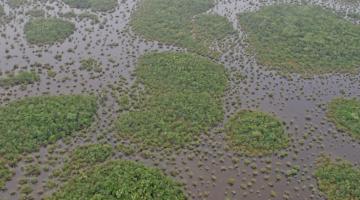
345 113
94 5
175 22
338 179
48 30
303 39
120 180
29 123
255 133
183 98
21 78
86 156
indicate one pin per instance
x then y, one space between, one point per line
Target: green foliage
255 133
184 98
21 78
120 180
90 64
171 21
94 5
86 156
339 180
29 123
345 113
303 39
48 30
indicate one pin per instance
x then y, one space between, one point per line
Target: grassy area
255 133
184 98
338 179
94 5
171 21
36 13
85 156
303 39
345 113
27 124
21 78
48 30
120 180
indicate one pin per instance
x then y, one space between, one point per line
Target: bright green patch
184 98
345 113
339 180
86 156
255 133
48 30
21 78
94 5
29 123
178 22
121 180
303 39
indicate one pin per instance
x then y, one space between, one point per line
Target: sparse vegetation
27 124
48 30
94 5
5 173
345 113
21 78
338 179
184 99
255 133
36 13
303 39
120 180
90 64
173 22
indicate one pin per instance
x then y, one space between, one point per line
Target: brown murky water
206 168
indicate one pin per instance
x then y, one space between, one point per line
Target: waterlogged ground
209 170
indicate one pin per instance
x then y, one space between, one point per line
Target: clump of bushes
174 22
345 113
94 5
90 64
183 98
303 39
21 78
27 124
48 30
86 156
120 180
338 179
255 133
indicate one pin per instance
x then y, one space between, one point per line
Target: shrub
94 5
21 78
338 179
303 39
120 180
255 133
345 113
48 30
